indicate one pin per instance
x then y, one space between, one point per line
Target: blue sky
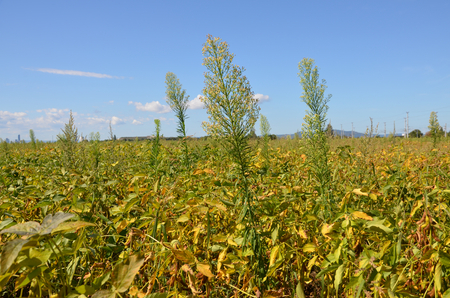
107 60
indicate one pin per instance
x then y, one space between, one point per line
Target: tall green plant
265 131
179 103
314 127
156 144
434 128
68 142
33 139
233 111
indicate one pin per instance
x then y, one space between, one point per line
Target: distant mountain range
337 132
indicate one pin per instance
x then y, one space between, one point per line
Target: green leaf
104 294
73 225
51 222
378 226
6 222
438 277
24 229
299 291
85 289
10 252
125 273
446 294
26 278
338 278
157 295
327 270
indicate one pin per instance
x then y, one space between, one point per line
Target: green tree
179 103
233 111
434 127
330 132
314 131
416 133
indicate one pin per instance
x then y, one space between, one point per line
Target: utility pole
352 130
394 128
407 124
385 129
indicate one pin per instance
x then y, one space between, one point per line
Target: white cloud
117 121
76 73
196 103
111 102
261 97
96 120
153 106
135 122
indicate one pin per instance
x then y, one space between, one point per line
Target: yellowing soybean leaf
73 225
123 224
361 215
209 171
327 229
184 256
359 192
309 247
302 233
183 218
197 172
274 255
205 270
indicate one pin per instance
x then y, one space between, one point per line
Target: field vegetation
115 226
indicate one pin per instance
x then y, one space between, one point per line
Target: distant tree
416 133
329 130
273 137
252 134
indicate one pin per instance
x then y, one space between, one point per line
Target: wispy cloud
135 122
153 106
261 97
77 73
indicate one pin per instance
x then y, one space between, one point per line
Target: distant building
7 140
18 138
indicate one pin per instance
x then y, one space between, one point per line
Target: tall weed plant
314 126
179 103
233 111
